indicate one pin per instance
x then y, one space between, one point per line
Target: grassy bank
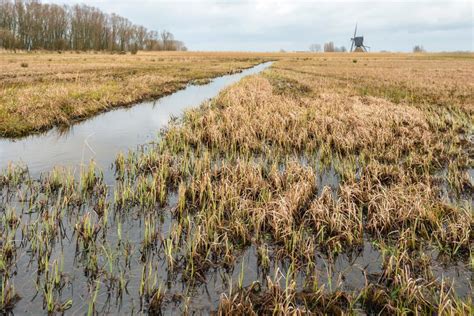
41 90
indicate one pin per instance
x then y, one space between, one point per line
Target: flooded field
303 188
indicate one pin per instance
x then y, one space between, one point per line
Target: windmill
358 42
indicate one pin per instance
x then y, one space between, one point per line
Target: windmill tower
358 42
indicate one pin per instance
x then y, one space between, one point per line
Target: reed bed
289 193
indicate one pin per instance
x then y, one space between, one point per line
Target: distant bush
330 47
341 49
418 49
24 65
315 48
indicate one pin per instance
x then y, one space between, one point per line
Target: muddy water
102 137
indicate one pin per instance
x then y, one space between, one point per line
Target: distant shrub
24 65
418 49
354 61
329 47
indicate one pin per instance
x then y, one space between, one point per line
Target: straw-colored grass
57 89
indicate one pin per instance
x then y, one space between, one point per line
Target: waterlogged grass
288 193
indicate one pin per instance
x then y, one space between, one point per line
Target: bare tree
329 47
418 49
315 48
29 24
167 39
178 45
341 49
8 25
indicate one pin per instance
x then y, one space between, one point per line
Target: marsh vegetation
319 186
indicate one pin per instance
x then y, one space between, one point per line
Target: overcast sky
270 25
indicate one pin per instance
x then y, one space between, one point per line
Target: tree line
32 25
328 47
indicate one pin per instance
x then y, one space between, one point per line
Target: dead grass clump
337 223
283 214
417 291
275 299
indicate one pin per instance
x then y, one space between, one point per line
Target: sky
293 25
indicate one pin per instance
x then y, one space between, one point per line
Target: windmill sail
353 38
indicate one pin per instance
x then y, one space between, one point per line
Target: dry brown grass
59 88
245 171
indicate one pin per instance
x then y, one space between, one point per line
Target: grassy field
41 90
328 184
